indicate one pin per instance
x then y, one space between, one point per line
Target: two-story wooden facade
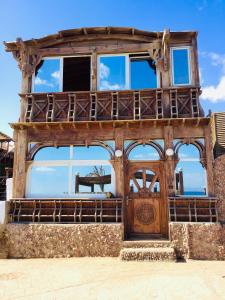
111 130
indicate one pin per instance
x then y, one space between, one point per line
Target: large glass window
142 72
112 73
47 76
190 174
180 66
71 171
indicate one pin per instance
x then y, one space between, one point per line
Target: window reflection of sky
180 66
49 181
194 175
53 153
144 152
142 75
47 78
112 73
91 152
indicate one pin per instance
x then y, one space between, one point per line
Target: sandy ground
110 278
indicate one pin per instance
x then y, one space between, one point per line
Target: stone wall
3 242
63 240
219 180
198 240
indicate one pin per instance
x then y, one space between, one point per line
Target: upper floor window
47 76
126 71
63 74
180 58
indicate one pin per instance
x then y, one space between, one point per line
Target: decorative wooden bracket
165 54
26 57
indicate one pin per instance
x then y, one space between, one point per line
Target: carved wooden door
146 198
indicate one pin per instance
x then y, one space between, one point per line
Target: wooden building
111 130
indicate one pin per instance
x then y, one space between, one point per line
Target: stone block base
198 240
63 240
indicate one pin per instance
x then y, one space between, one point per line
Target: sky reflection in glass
194 175
112 75
144 152
49 181
180 66
47 78
90 153
142 74
53 153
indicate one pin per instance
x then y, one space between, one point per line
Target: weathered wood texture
109 105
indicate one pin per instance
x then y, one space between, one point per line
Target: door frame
163 208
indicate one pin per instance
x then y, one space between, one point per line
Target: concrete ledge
63 240
198 240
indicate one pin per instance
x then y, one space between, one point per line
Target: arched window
190 174
143 152
71 171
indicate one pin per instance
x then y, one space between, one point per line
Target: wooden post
118 163
94 71
19 170
169 163
209 160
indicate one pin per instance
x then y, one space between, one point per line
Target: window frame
127 69
70 163
188 48
61 65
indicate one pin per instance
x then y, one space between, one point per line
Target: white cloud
39 81
105 85
45 169
104 71
56 74
214 93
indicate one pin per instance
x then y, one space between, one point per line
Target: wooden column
94 71
25 88
209 160
19 169
169 163
118 163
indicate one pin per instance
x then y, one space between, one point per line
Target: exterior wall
64 240
198 240
190 240
219 181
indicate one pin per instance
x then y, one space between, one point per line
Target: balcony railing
193 209
66 210
111 105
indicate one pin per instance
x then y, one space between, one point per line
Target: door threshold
143 237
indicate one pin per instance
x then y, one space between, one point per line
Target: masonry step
148 254
133 243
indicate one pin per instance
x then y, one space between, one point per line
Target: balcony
111 105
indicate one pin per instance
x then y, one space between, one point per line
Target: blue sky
33 19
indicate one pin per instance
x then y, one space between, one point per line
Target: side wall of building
219 182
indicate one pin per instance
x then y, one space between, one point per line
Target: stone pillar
209 160
219 182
